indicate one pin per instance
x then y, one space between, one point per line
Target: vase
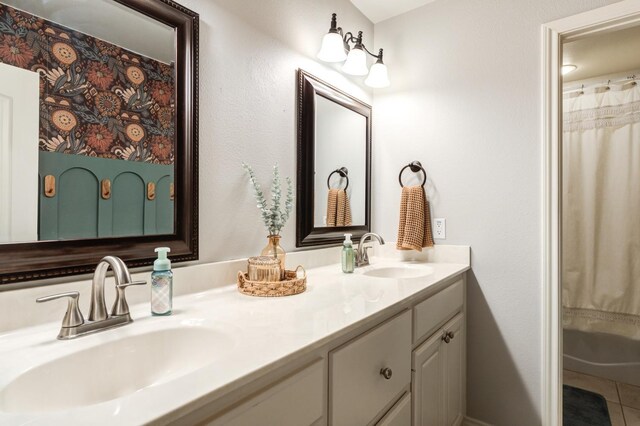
274 250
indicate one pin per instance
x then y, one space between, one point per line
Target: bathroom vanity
383 345
408 363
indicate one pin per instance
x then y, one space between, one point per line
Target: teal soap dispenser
348 255
162 284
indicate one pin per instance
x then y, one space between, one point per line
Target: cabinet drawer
295 401
436 310
359 391
400 414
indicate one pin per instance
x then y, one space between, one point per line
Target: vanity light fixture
566 69
336 48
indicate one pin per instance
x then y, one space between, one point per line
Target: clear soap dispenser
348 255
162 284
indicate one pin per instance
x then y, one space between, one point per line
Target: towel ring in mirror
343 172
415 167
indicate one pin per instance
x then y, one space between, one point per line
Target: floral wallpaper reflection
96 99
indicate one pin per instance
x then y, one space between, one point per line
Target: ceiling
379 10
603 54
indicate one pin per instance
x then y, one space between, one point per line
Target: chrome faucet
73 324
98 308
362 256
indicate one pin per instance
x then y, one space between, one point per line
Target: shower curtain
601 211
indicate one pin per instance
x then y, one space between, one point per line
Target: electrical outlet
440 229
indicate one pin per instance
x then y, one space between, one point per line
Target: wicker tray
288 287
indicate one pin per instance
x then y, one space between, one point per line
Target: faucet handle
125 285
120 306
73 317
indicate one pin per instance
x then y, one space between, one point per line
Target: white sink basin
398 272
113 369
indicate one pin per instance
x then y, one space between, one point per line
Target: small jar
263 268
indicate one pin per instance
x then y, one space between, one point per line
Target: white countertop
256 334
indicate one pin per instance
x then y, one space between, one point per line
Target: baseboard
468 421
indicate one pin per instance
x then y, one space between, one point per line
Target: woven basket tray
288 287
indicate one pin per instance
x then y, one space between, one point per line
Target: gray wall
466 101
249 53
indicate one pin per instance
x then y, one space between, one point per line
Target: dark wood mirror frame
306 233
49 259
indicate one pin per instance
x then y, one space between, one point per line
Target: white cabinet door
427 386
454 370
439 377
400 414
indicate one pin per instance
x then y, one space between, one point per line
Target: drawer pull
448 336
386 373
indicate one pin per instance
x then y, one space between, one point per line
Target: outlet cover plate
440 229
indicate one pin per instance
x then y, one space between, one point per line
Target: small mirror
334 146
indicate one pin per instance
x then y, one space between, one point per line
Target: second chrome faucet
362 256
73 323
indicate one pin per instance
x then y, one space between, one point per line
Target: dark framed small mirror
334 164
105 134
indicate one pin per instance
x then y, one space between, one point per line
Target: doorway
600 233
556 36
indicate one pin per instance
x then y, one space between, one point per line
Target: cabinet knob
447 336
386 373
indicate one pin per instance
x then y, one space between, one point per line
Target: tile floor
623 399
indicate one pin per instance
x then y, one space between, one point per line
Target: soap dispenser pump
162 284
348 255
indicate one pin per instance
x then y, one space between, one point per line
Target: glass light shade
566 69
356 63
332 49
378 76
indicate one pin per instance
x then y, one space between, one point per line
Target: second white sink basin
398 272
113 369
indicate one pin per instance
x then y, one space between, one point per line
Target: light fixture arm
378 56
357 41
350 38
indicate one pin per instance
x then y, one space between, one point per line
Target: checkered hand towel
338 208
414 230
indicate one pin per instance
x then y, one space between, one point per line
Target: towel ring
415 167
343 172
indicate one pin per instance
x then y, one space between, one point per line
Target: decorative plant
274 217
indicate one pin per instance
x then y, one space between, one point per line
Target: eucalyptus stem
274 217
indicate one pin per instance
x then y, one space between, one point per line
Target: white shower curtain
601 212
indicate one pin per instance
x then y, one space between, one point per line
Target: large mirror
334 167
98 134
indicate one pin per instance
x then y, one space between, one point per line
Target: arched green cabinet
79 211
128 202
77 197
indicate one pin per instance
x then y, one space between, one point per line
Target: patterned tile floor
623 399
